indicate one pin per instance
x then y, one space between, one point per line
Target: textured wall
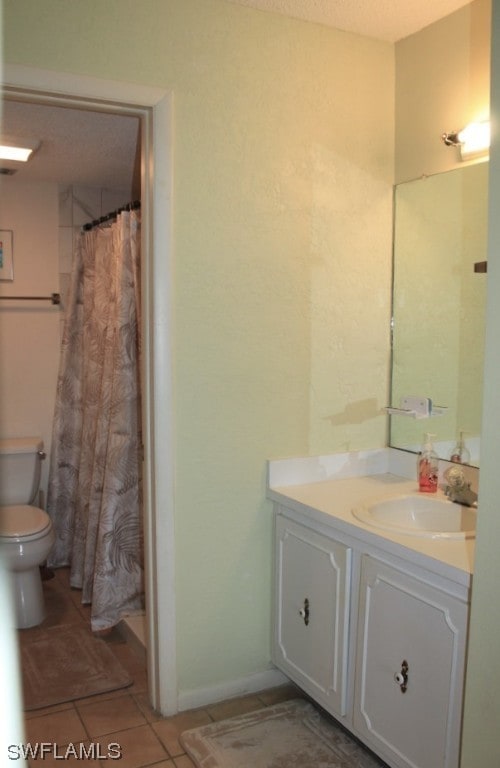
29 330
442 84
282 204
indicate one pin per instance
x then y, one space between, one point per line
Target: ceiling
82 147
98 149
389 20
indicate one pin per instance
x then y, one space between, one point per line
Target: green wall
283 164
442 84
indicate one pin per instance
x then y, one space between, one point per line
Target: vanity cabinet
380 648
409 667
312 612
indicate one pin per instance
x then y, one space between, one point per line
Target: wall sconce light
473 140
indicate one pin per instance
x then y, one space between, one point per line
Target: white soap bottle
428 466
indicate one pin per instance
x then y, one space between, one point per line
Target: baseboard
202 697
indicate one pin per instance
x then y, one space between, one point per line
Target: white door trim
154 107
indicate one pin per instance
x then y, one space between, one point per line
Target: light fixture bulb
17 150
474 139
18 154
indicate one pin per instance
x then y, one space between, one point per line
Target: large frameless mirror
439 298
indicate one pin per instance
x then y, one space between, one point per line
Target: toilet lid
22 520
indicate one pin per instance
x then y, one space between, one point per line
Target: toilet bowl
26 538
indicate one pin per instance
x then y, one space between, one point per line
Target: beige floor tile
119 693
142 701
234 707
138 746
84 610
48 710
59 727
73 595
110 715
170 729
165 764
277 695
184 762
62 575
59 609
134 665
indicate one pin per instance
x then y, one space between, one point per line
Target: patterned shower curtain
94 491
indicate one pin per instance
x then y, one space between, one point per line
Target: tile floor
123 717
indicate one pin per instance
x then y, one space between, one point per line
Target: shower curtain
94 491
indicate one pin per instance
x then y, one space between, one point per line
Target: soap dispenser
428 465
460 453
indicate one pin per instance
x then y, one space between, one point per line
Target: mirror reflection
439 298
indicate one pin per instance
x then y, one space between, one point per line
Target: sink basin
419 515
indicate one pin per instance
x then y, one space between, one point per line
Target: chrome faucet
458 489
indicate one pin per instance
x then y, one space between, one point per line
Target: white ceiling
389 20
92 149
102 150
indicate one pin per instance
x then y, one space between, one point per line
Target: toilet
26 532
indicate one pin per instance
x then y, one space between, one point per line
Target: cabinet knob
401 677
304 612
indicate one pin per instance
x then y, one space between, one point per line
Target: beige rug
288 735
67 662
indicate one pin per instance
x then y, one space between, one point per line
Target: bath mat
67 662
290 734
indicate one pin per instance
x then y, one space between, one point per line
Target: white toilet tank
19 469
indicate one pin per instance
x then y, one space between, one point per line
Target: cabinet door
410 664
311 612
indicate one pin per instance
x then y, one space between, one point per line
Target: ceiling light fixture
18 151
473 140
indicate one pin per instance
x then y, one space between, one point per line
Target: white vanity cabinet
312 612
409 668
379 646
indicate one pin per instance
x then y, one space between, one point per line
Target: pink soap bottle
428 466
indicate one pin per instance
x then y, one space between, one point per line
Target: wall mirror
440 234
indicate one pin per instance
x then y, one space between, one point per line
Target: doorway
153 109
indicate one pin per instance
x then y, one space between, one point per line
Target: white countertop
330 502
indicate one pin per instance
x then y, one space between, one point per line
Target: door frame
153 106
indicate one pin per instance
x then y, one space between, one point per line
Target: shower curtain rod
112 215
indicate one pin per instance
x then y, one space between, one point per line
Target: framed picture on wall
6 258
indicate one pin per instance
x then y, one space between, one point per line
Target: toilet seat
23 522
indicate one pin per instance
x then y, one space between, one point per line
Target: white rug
288 735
